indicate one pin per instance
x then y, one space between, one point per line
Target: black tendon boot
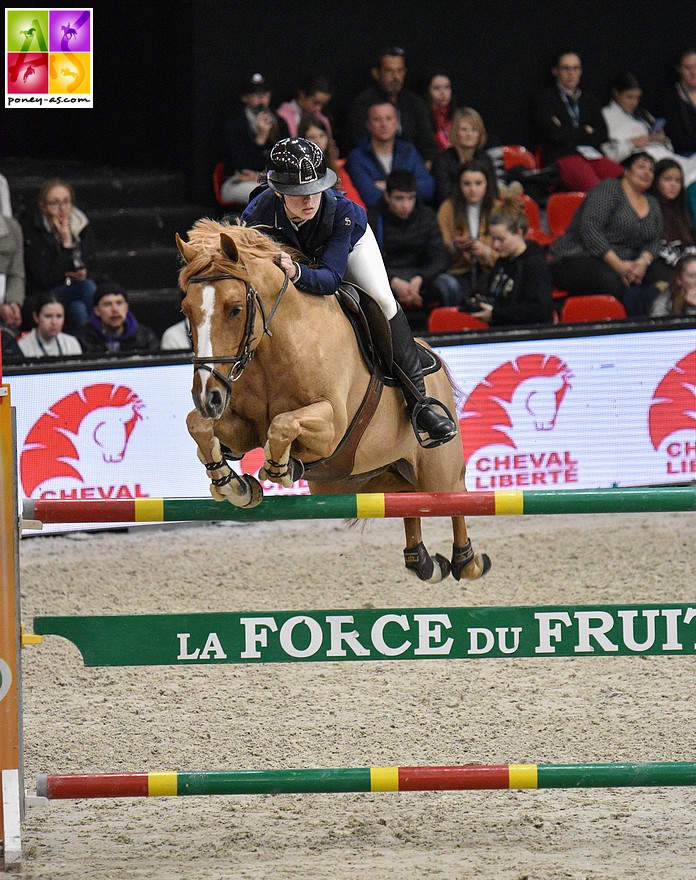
432 421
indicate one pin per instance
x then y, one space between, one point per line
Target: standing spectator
59 253
47 338
520 287
112 328
389 75
679 300
312 96
381 152
249 134
442 104
409 238
572 128
680 106
467 141
11 273
613 238
464 223
678 236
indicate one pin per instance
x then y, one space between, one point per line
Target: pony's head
227 272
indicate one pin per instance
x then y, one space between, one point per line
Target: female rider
302 210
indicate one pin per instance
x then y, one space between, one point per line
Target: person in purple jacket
302 209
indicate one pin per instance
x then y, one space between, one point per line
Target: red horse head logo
99 415
673 406
532 386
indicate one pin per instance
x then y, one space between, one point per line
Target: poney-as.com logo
672 419
71 448
517 406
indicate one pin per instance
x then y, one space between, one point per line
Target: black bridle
245 352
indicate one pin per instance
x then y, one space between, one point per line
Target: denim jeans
77 300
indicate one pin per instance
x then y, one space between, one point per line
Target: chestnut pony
278 368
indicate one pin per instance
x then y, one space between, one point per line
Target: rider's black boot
431 420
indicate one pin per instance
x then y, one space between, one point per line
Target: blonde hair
510 213
474 117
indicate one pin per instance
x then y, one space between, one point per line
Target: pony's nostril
215 398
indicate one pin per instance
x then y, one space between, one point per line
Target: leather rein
245 352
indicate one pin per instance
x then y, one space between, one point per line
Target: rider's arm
326 278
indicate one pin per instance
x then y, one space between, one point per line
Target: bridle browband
245 352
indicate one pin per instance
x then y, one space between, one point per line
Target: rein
245 352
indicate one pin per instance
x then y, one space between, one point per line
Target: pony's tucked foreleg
467 564
311 427
417 559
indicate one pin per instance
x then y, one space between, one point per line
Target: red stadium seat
560 209
535 231
515 154
579 309
450 318
218 180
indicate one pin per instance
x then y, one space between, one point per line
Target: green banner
378 634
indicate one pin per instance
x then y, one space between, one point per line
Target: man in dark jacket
112 328
409 237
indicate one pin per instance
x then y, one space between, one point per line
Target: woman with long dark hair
679 236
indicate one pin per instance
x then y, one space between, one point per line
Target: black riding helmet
297 167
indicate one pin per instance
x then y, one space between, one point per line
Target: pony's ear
229 247
187 251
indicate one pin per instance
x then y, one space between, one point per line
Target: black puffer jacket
409 247
46 260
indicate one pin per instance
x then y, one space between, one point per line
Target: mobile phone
657 125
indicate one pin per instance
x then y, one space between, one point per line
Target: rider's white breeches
366 269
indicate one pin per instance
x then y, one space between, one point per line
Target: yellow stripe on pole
509 503
369 505
149 509
523 776
161 784
384 778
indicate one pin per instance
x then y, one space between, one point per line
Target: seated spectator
613 238
442 104
112 327
249 135
47 338
467 141
389 75
520 285
312 96
678 236
464 224
177 337
313 129
380 152
59 253
11 273
409 238
572 128
679 300
680 106
630 128
8 344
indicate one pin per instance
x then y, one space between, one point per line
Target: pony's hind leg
465 563
417 559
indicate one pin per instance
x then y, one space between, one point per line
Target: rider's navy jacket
326 240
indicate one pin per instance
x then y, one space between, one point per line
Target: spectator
389 74
613 238
679 236
249 134
47 338
59 253
442 104
409 238
312 96
520 287
11 273
467 141
177 337
8 344
303 210
112 327
679 300
380 152
572 128
680 106
464 223
313 129
630 128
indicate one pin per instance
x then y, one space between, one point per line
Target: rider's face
302 207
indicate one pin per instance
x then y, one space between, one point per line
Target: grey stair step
155 267
158 308
122 228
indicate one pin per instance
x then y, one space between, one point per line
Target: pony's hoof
468 565
255 490
432 569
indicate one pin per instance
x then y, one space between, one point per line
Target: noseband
245 352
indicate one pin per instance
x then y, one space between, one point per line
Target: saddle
373 336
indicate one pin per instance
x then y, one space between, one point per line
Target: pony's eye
234 311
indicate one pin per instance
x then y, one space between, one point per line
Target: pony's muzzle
210 402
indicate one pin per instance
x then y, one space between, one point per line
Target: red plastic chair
446 318
218 179
535 231
560 209
516 154
580 309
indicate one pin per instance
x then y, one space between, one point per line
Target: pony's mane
205 238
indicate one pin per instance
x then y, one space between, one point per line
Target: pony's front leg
225 484
314 429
